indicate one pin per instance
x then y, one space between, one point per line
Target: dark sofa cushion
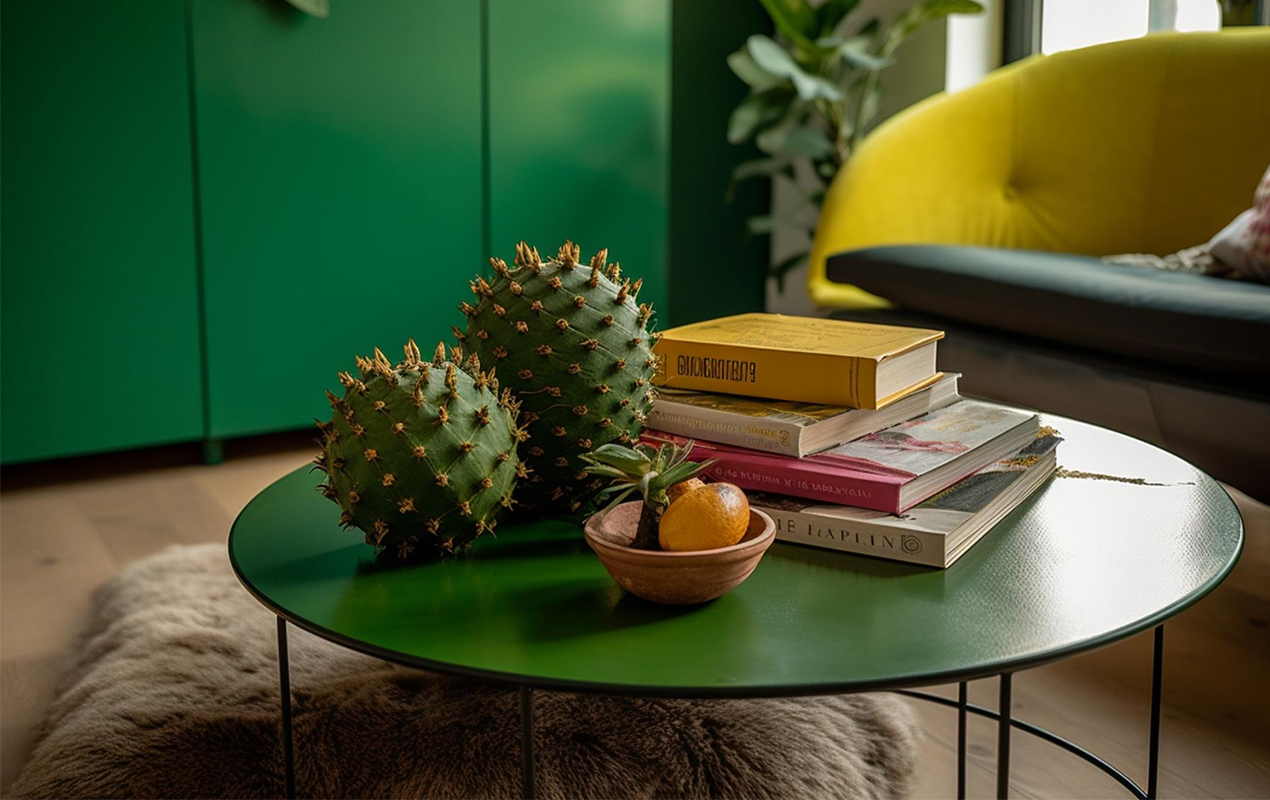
1211 324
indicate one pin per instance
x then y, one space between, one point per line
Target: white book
787 428
935 532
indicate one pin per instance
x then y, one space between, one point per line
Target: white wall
973 45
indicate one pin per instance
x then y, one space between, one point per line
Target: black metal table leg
527 742
1004 715
1157 677
1003 738
962 697
284 682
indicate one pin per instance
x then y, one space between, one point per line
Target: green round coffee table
1123 538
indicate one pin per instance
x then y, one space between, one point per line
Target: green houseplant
813 92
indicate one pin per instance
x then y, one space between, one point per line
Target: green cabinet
579 128
339 164
99 331
210 207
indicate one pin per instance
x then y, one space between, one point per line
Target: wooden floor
65 528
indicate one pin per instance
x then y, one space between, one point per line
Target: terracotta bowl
675 578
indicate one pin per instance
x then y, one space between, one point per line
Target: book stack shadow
847 434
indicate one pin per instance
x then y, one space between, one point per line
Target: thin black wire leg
962 695
527 742
1003 738
1005 721
1157 679
284 684
1040 733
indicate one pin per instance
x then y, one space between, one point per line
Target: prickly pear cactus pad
574 345
421 456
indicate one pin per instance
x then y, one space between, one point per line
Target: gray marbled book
935 532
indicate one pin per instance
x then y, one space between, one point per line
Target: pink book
890 470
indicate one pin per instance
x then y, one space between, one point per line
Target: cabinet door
579 130
99 303
339 161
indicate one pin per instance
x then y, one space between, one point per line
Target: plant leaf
617 487
628 461
759 167
759 225
856 51
773 58
618 499
798 140
747 69
770 56
681 472
921 15
780 270
794 18
871 102
832 12
606 471
757 110
766 224
844 135
745 118
603 453
763 166
870 29
652 452
770 139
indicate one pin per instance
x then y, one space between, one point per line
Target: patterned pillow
1245 243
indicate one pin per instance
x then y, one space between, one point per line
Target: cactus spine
421 456
574 344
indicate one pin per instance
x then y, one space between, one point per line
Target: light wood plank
132 520
64 531
51 559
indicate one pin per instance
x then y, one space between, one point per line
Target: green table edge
986 670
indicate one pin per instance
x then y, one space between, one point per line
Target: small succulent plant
421 456
649 470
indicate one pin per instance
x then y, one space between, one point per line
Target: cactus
420 456
574 345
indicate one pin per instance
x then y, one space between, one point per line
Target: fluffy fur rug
174 693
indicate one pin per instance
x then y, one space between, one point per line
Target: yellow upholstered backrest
1150 145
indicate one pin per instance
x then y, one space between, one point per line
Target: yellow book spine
757 372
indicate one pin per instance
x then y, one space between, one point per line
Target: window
1068 24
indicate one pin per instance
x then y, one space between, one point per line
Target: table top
1124 537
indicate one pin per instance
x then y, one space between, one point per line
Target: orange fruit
680 489
712 516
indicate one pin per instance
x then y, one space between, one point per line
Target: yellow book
805 359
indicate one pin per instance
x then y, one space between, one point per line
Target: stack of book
846 434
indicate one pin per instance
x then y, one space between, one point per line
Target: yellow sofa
1148 145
